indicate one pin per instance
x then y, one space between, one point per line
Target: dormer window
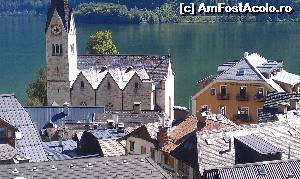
128 69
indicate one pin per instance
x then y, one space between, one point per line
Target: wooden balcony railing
240 97
260 97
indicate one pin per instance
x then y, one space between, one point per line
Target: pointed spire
63 10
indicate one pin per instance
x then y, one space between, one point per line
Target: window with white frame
222 110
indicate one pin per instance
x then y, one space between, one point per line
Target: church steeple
64 12
61 52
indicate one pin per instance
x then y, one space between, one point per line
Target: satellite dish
19 135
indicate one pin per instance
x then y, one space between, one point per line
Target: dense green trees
37 89
101 43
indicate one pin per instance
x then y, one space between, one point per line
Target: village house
280 106
240 88
164 144
117 82
18 132
227 147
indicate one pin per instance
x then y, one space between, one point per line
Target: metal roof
270 170
130 166
258 144
13 113
43 115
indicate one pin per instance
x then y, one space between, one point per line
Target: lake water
197 49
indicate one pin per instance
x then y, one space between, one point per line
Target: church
117 82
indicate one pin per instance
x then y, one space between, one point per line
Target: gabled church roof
63 10
156 66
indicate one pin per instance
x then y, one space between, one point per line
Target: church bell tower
61 52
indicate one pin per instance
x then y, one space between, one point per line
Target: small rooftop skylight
208 142
240 72
72 166
15 171
262 171
90 165
53 167
129 69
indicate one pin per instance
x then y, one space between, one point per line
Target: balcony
260 97
223 96
243 97
243 117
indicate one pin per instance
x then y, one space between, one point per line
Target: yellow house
239 90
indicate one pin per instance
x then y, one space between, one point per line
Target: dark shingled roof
271 105
131 166
14 114
258 144
155 65
63 10
270 170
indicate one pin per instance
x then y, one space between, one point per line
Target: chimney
137 108
246 54
294 103
230 145
162 135
282 108
201 120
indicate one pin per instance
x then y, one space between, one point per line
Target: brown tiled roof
178 133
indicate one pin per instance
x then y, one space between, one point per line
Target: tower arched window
60 49
56 49
53 49
58 90
81 84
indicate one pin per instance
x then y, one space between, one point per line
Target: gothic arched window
56 49
108 85
60 49
136 85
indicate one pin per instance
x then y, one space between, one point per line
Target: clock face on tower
56 29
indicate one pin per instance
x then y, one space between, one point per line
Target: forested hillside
137 11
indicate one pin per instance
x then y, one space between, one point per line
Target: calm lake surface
197 49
